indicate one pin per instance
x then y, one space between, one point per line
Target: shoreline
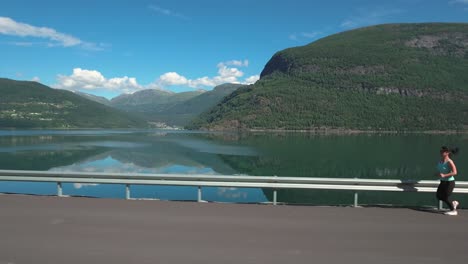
319 131
334 131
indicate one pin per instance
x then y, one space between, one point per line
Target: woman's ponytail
451 151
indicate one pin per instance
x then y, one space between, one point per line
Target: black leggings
444 191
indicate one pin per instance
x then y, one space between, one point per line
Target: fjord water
376 156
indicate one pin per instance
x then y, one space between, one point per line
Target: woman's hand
441 175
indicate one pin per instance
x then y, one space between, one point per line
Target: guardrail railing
271 182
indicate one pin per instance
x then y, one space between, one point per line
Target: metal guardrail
271 182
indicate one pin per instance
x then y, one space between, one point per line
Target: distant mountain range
394 77
174 109
25 104
152 104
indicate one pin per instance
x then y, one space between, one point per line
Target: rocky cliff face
278 63
444 44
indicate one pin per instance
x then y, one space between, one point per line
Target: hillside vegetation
182 113
151 100
386 77
26 104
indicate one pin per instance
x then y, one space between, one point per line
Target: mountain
141 99
151 101
95 98
25 104
175 109
204 101
184 112
388 77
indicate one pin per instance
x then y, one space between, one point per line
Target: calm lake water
295 154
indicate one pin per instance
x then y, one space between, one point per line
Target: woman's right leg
443 193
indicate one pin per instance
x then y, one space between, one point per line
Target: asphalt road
39 229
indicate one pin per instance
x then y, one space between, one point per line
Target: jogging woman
447 171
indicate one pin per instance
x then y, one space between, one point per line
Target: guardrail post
275 194
356 196
127 191
199 198
59 189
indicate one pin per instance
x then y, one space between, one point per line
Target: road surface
42 229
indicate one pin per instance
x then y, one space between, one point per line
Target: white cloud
172 78
83 79
226 74
237 63
123 82
11 27
92 80
36 79
203 81
167 12
366 17
252 79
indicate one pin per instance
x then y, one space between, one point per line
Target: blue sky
111 47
